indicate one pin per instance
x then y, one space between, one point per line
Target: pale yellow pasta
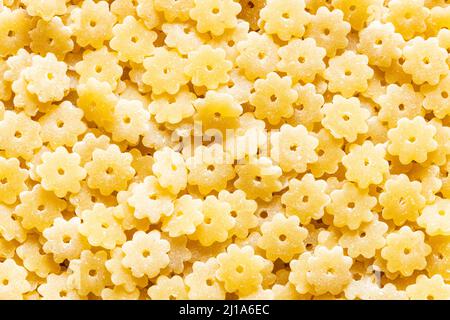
224 149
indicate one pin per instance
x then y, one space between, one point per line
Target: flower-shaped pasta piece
164 71
439 259
101 64
297 276
15 25
401 199
399 102
328 270
380 43
209 168
109 170
38 208
101 227
242 210
61 172
132 40
56 288
366 164
425 61
229 38
88 144
240 269
25 100
47 78
187 215
351 206
121 276
408 16
216 224
257 55
92 23
145 10
12 180
356 11
34 259
307 108
51 36
259 178
348 73
437 98
217 111
89 274
273 98
306 198
302 59
345 118
45 9
405 251
168 289
97 101
366 240
170 169
293 148
14 281
429 288
63 240
435 218
208 67
412 140
10 227
329 30
284 18
146 254
329 152
130 121
215 16
182 37
202 281
150 200
174 9
179 255
173 109
282 238
62 125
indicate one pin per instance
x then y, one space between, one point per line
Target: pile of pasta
224 149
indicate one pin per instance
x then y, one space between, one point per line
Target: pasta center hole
362 235
210 167
209 67
50 76
345 117
326 31
444 94
127 120
330 271
293 147
92 23
208 220
352 8
401 107
92 273
301 59
60 171
18 134
430 297
273 98
285 15
263 214
426 60
408 15
109 170
378 42
146 253
215 10
261 55
258 179
320 153
441 212
233 214
41 207
66 239
305 199
348 73
351 205
63 294
60 123
412 139
406 251
217 115
4 180
239 269
11 33
5 282
282 237
134 39
251 5
209 282
98 69
105 225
